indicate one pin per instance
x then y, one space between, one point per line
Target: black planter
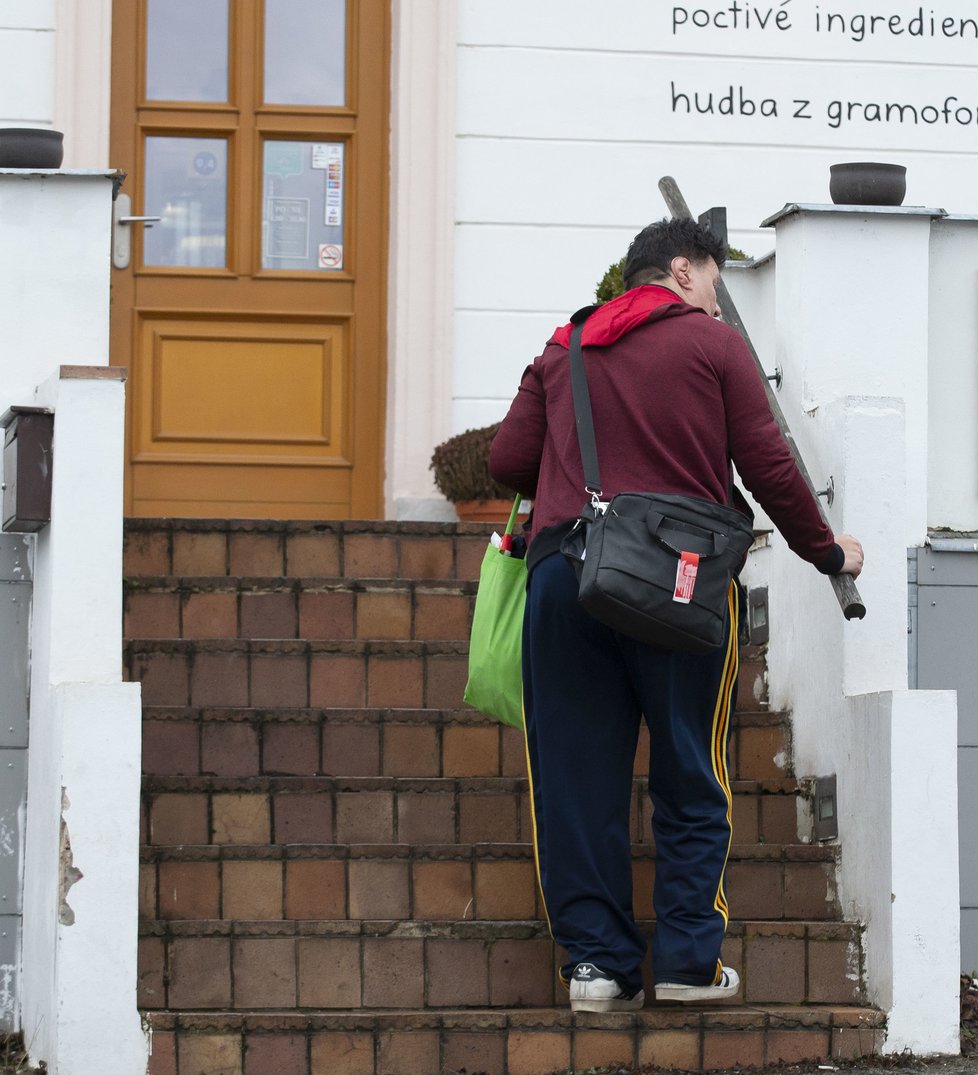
31 147
867 183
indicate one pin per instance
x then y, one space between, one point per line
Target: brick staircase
337 874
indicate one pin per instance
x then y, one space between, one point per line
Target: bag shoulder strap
582 404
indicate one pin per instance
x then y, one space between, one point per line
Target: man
675 396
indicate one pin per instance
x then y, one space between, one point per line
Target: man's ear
680 270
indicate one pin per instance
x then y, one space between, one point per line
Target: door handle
121 230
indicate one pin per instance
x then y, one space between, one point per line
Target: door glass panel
186 185
187 50
303 195
305 52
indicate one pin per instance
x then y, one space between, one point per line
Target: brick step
241 742
404 881
290 673
274 549
527 1041
312 608
409 810
204 964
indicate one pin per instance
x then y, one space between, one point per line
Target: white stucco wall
27 48
568 117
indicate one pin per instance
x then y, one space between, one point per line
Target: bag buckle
598 506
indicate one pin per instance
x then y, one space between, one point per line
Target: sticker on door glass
330 256
328 157
287 234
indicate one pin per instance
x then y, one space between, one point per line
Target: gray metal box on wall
943 655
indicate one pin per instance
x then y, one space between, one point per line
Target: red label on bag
686 570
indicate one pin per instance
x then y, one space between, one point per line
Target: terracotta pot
31 147
867 183
484 511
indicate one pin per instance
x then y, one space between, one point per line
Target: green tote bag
495 684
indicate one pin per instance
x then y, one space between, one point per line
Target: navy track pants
586 689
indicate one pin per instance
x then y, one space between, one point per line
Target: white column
421 252
82 73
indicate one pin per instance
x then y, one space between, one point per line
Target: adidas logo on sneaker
591 990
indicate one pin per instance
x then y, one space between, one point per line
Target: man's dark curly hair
652 250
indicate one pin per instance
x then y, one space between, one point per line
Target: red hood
619 316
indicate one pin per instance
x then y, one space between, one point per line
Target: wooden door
252 315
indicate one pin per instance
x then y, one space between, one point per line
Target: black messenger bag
655 566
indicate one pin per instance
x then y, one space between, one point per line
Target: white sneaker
591 990
727 986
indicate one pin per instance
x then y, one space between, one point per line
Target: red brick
338 680
188 890
670 1049
340 1052
210 1054
640 766
326 615
732 1048
315 890
200 972
240 819
469 554
292 749
314 554
395 681
489 818
757 749
754 889
483 1051
411 750
197 554
833 973
229 749
425 818
603 1048
280 680
531 1052
147 892
442 616
163 1053
471 750
745 818
402 1051
219 679
426 557
351 749
505 890
850 1043
152 615
150 987
171 748
369 556
513 745
210 615
179 819
775 970
379 890
793 1046
458 974
146 553
329 972
256 555
384 614
521 974
643 878
779 819
276 1054
442 891
251 891
364 817
446 678
303 819
268 615
264 973
164 678
393 972
806 885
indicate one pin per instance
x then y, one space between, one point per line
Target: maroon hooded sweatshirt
675 396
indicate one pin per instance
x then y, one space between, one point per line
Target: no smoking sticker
330 256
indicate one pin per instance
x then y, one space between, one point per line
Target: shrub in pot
461 470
